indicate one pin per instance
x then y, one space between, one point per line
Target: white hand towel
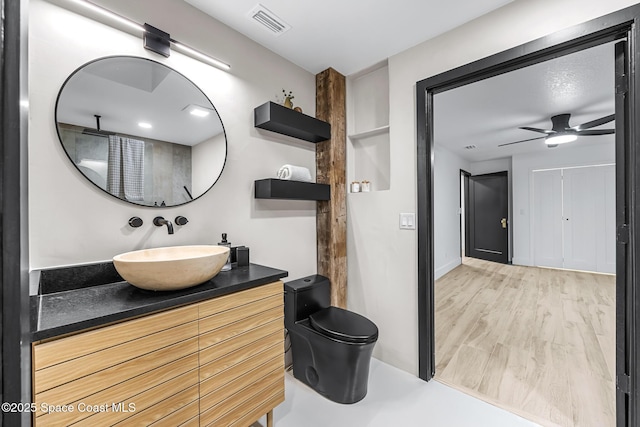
294 173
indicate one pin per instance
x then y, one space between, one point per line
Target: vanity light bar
111 15
138 28
199 55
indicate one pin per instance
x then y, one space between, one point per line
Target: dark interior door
488 214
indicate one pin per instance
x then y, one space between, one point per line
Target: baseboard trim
441 271
522 261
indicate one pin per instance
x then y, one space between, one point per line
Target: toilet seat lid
344 325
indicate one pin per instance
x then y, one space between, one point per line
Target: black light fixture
153 38
156 40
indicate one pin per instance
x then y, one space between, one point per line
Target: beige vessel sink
171 268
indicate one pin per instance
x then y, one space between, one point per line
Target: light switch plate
408 221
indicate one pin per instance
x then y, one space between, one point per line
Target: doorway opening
506 333
614 27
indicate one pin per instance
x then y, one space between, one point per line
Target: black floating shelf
283 120
293 190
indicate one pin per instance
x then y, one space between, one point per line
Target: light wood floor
537 342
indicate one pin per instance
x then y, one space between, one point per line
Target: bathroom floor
538 342
394 398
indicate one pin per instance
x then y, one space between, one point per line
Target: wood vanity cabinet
219 362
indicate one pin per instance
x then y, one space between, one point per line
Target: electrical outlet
407 221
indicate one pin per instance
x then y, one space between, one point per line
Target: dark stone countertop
60 313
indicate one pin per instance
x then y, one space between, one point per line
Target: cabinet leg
270 418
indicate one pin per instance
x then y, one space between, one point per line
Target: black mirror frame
55 112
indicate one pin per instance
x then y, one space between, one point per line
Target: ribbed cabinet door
135 372
241 343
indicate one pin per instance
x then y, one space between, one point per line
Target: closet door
547 218
581 201
606 260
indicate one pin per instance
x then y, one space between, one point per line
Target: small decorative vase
298 109
287 102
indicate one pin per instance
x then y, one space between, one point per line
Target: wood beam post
331 222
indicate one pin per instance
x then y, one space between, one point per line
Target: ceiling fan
561 132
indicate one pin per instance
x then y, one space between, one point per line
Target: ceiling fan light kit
560 138
561 132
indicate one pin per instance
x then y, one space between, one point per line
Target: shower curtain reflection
142 170
125 168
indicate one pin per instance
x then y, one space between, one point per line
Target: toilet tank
305 296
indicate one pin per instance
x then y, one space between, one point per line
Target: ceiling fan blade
595 123
518 142
536 129
595 132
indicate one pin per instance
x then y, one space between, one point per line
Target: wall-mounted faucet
160 221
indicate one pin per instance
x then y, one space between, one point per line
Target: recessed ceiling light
199 112
145 125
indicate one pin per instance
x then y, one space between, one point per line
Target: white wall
207 158
490 166
385 289
71 221
523 167
446 208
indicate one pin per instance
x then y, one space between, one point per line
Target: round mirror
141 131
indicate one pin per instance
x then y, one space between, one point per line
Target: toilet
331 347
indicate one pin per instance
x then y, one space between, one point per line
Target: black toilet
331 347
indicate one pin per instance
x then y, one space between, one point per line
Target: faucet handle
180 220
135 222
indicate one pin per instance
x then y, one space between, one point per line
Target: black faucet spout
160 221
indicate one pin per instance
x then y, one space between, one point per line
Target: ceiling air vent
471 147
269 20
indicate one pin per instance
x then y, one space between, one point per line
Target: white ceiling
489 112
353 35
347 35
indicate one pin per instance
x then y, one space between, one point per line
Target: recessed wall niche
368 149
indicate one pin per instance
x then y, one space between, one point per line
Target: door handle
503 221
